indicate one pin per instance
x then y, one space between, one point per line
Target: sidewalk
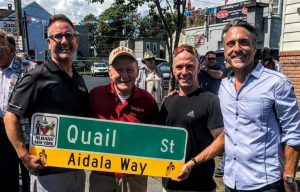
154 183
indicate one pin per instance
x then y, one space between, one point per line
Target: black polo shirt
48 89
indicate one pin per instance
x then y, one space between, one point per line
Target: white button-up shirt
5 75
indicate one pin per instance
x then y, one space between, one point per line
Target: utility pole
19 26
26 31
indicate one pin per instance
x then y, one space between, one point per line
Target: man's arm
216 132
216 74
14 133
291 163
214 149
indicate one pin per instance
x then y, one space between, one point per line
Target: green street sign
111 146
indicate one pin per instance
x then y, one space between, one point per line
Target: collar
136 92
52 67
215 67
10 65
256 72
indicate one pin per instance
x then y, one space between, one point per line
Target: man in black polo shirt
54 87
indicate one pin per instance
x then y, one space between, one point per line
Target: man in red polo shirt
121 100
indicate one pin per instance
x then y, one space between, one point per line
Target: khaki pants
129 183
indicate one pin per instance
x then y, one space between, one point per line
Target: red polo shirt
140 107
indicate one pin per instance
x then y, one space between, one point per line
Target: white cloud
76 10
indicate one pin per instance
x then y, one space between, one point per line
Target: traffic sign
112 146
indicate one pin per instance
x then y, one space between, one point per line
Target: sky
76 10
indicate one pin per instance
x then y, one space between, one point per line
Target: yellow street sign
107 162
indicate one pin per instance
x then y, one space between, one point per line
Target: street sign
112 146
9 26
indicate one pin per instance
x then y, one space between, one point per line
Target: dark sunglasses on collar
211 59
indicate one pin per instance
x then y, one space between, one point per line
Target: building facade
205 31
290 43
35 21
139 46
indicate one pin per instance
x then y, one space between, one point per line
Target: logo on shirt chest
137 109
82 89
191 114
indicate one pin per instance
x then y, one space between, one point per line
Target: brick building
290 43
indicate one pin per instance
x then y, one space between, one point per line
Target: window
147 46
154 47
276 7
45 32
31 53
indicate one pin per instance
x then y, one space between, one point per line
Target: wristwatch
290 179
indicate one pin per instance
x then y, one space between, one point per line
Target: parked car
99 69
165 68
157 60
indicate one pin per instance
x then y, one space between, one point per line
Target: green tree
177 9
91 22
115 24
151 26
174 8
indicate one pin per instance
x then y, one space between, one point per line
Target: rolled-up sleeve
287 111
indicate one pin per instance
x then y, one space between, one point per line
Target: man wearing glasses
53 87
11 69
211 73
9 166
199 114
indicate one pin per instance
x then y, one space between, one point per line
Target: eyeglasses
211 59
59 37
188 48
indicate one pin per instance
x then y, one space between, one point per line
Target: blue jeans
273 187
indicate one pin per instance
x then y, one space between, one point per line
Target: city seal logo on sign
44 130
